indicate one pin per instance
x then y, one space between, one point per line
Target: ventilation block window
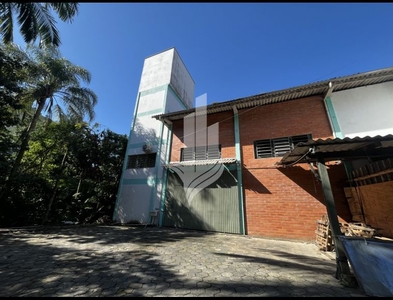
141 161
279 146
200 153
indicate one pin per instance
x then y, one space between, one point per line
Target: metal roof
200 162
312 89
340 149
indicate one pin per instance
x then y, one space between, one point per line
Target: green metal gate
213 208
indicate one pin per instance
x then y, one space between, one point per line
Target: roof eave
307 90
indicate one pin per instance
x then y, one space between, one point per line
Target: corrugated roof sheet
201 162
340 149
312 89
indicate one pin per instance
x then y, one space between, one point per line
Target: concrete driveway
100 261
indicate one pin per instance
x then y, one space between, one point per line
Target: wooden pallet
324 239
324 243
322 229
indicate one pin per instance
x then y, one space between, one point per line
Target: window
141 161
200 153
279 146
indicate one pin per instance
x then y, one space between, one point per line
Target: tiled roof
312 89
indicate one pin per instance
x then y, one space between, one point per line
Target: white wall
157 70
173 103
168 68
365 111
150 102
182 82
140 189
134 203
145 130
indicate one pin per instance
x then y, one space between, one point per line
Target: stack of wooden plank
324 238
358 229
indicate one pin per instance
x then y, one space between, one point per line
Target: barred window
279 146
200 153
141 161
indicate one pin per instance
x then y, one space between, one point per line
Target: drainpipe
330 90
335 126
156 170
239 169
164 180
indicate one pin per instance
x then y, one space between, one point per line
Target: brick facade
226 135
278 202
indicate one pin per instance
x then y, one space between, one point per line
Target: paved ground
101 261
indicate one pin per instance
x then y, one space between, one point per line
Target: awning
201 162
340 149
320 151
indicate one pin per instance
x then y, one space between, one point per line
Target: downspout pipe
327 95
330 90
165 175
239 169
334 125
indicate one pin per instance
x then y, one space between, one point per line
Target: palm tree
55 86
35 20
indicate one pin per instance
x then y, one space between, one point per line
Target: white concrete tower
165 86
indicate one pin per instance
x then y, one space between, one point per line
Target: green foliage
35 20
13 75
52 80
52 171
85 162
24 201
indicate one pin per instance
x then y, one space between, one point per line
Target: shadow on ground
147 261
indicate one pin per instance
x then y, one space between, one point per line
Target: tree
70 172
54 85
81 165
12 76
35 20
106 179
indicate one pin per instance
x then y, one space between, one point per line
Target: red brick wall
226 135
286 202
177 140
278 202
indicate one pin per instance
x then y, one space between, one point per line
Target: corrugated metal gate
214 208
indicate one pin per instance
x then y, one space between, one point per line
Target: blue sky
231 50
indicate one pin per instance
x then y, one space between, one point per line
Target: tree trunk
26 137
23 147
55 188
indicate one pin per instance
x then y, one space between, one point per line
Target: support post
343 272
